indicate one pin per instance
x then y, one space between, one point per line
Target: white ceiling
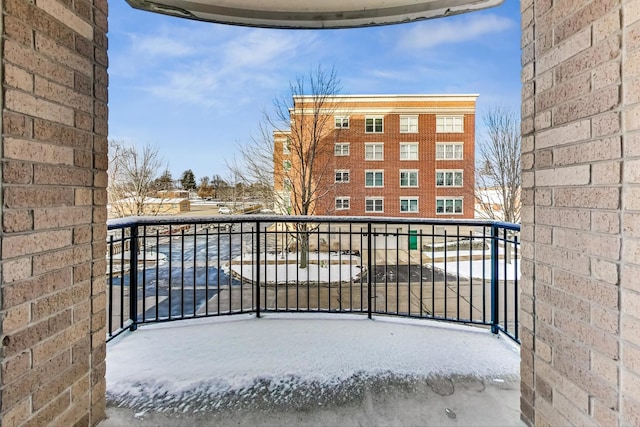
312 13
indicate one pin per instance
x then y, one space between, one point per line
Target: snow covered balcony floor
413 321
312 369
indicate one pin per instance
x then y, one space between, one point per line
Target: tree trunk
304 246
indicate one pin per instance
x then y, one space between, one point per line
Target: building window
374 204
374 178
342 203
374 151
449 151
408 178
373 125
286 146
449 124
409 151
341 122
286 165
448 205
342 176
286 184
448 178
409 205
408 124
341 149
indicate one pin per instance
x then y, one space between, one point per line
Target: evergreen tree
188 180
164 181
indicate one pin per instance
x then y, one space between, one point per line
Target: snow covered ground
467 268
323 267
208 364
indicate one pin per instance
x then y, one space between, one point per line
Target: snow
283 268
465 268
199 364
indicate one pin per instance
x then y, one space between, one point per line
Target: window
408 178
449 124
452 151
373 125
342 203
409 205
341 149
374 178
341 122
408 124
286 165
286 146
342 176
449 206
374 151
286 184
448 178
372 204
409 151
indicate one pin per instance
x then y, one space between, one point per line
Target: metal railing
171 268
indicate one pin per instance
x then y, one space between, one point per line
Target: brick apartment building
387 155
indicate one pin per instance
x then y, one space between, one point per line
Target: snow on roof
168 364
153 200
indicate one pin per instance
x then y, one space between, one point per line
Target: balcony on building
264 320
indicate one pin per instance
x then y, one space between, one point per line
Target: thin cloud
249 60
160 46
430 34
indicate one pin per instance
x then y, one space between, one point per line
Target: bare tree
132 178
291 154
498 173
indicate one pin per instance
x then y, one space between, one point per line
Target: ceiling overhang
311 14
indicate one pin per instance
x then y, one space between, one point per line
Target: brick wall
426 165
357 107
581 215
54 160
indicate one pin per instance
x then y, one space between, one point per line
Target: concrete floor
438 401
458 390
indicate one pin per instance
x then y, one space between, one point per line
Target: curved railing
172 268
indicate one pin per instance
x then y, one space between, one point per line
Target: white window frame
454 148
374 200
285 167
341 122
450 124
339 149
342 173
375 120
453 173
285 146
410 124
407 155
341 200
286 184
409 171
373 146
374 172
409 201
453 201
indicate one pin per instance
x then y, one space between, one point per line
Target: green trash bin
413 239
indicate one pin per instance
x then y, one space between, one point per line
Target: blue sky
195 90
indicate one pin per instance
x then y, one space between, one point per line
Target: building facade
387 155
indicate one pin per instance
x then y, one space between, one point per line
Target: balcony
263 319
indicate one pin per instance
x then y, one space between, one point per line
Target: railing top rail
114 224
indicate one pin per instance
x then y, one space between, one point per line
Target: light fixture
311 13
